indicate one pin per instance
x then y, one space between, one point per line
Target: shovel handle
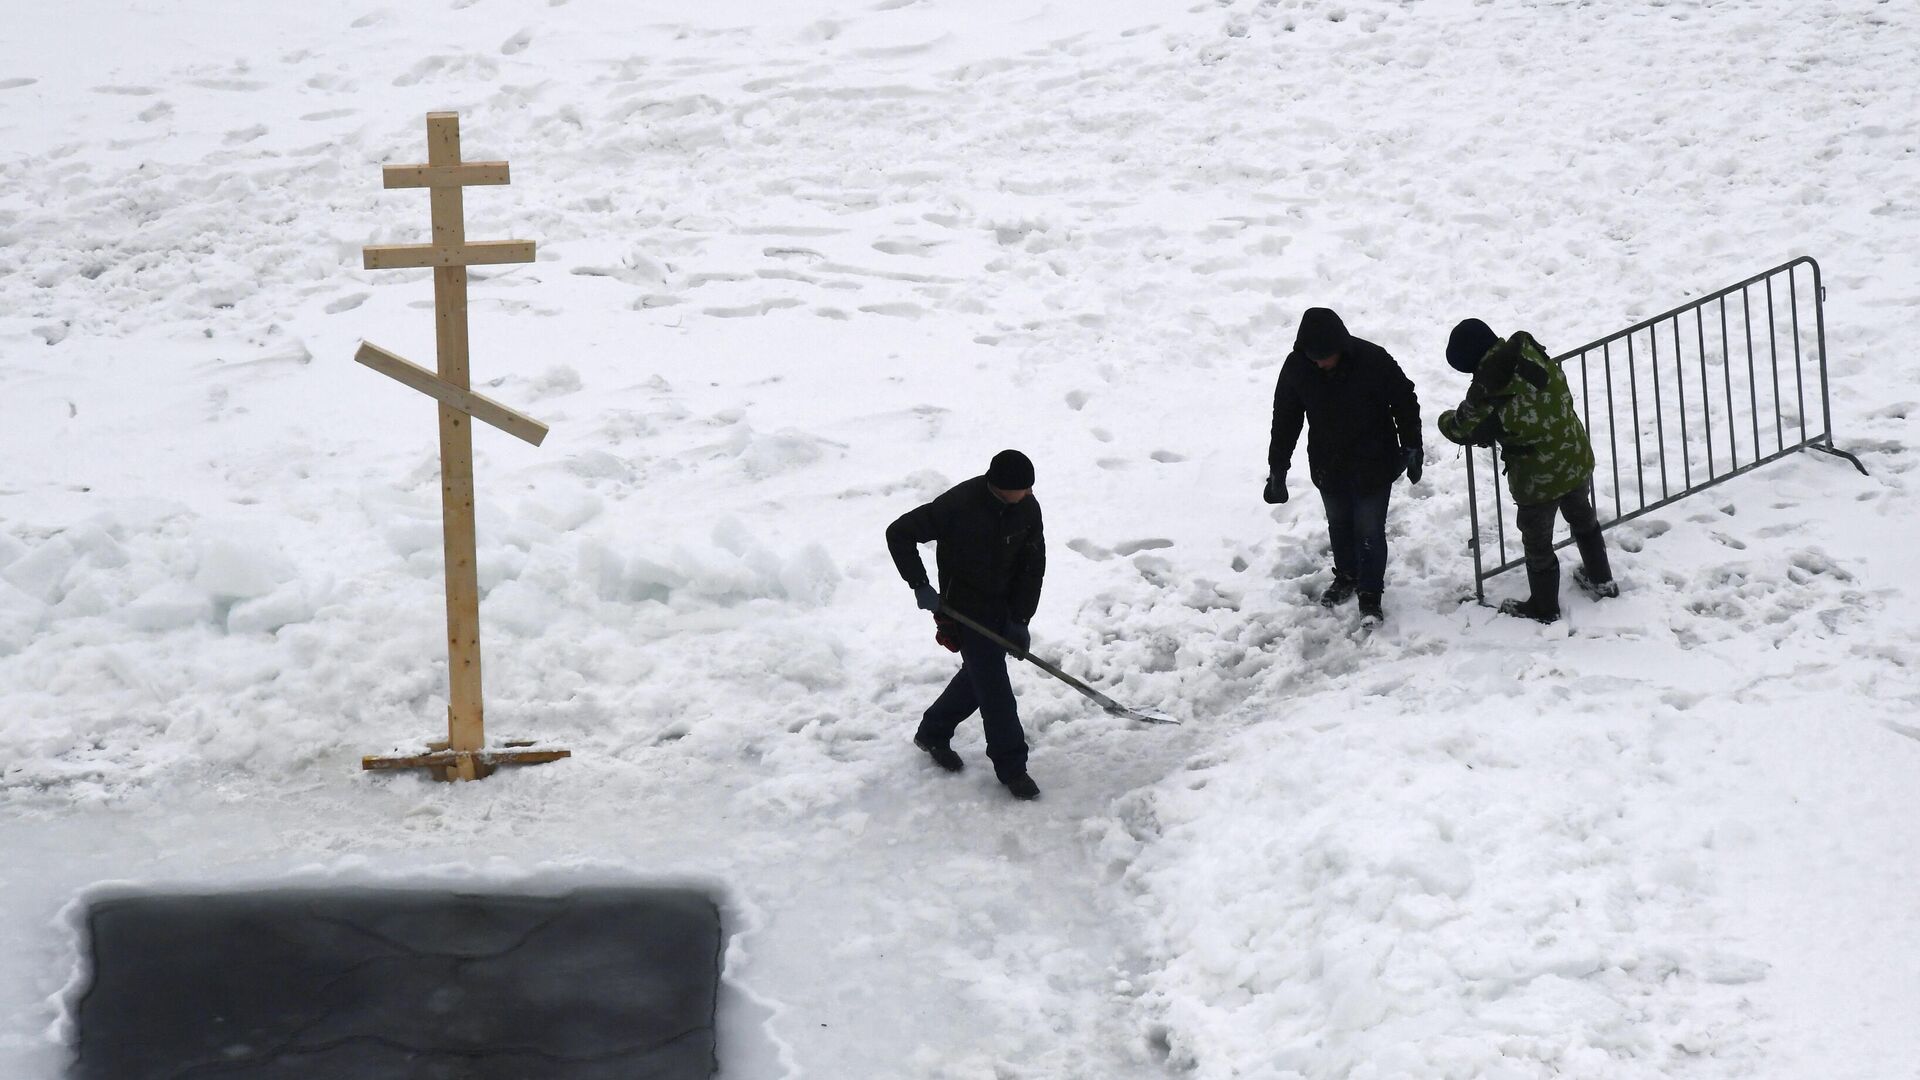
1098 698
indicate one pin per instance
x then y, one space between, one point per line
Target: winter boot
942 754
1021 787
1544 605
1598 590
1339 592
1370 608
1595 576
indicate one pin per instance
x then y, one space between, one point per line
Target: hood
1321 332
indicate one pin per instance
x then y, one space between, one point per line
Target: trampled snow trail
805 264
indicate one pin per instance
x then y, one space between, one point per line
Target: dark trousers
1535 522
1357 528
982 686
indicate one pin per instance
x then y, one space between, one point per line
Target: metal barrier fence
1683 401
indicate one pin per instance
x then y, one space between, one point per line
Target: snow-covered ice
805 263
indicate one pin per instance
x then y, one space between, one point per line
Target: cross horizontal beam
480 407
465 174
474 253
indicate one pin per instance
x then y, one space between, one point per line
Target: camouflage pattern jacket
1519 398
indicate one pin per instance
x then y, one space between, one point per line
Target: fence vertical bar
1820 323
1659 409
1706 388
1680 388
1726 370
1753 380
1613 448
1633 395
1499 510
1799 379
1773 351
1473 538
1586 396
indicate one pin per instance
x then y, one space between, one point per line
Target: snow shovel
1147 716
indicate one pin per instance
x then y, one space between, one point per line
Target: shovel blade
1145 716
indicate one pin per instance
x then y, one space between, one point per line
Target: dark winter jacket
1520 399
991 554
1361 417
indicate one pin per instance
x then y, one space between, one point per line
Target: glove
927 597
1416 458
1276 491
947 633
1019 634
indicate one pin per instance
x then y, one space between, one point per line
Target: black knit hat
1321 334
1010 471
1469 342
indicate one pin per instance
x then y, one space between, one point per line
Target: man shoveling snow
991 555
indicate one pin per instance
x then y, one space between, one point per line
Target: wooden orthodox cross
464 756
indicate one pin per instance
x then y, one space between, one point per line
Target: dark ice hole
372 984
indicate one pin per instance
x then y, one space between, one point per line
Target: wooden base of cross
464 755
445 763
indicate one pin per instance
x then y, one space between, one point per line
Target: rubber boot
1595 576
1543 605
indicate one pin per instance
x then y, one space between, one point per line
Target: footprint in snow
346 303
787 275
15 84
1167 457
918 248
1077 399
897 310
1635 538
760 308
517 43
1090 549
1132 547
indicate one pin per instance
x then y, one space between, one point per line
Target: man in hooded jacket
1520 399
992 555
1363 431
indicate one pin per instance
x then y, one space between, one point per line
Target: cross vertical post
464 755
466 718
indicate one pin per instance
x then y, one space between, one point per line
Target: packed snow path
804 264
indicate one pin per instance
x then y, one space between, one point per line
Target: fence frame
1822 442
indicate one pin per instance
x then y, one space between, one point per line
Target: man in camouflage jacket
1520 400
